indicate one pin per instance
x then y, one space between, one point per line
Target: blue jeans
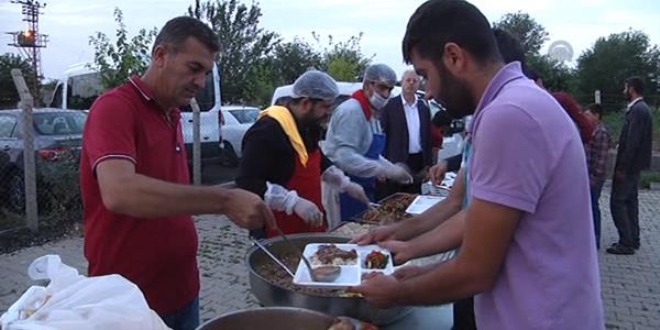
186 318
596 189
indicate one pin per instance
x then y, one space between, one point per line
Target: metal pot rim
282 308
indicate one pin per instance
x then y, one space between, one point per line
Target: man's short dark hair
177 30
596 109
510 47
438 22
636 83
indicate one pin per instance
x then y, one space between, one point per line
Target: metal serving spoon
278 261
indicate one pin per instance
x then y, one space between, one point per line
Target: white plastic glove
308 212
335 179
357 191
395 172
288 201
280 199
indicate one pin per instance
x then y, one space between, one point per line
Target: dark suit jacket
634 152
395 127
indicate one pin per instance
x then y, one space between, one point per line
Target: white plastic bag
75 302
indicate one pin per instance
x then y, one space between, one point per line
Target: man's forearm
428 220
442 238
145 197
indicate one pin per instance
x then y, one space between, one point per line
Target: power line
30 41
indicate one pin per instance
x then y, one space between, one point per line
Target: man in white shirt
406 122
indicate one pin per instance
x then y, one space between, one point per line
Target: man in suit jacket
406 122
632 157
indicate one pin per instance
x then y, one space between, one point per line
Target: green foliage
612 59
556 75
126 56
9 97
344 60
58 186
647 177
531 34
244 44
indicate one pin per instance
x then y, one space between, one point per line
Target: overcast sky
69 23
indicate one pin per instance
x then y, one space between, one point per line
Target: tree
9 97
531 34
117 62
557 76
611 60
244 44
344 60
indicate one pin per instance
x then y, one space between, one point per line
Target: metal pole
197 151
29 168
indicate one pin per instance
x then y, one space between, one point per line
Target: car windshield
59 123
246 115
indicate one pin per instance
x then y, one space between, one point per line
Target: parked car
81 85
57 133
237 120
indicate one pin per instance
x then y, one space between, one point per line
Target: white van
81 85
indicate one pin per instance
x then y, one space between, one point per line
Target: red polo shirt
157 254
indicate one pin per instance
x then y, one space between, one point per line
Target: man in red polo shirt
136 191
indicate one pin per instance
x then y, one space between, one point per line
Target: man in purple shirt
527 251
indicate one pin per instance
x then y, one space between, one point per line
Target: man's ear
454 58
158 56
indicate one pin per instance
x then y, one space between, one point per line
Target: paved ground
631 289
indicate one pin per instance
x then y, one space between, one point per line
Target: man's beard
455 95
628 96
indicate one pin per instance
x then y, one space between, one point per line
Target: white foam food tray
351 275
422 203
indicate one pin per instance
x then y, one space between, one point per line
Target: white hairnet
315 84
381 73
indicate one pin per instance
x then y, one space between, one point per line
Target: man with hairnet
282 161
355 139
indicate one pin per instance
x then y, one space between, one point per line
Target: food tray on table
392 209
422 203
355 261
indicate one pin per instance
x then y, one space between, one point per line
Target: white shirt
414 130
630 105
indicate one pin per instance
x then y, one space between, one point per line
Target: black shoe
621 249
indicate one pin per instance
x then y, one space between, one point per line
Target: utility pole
31 40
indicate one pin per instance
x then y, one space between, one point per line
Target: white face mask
377 101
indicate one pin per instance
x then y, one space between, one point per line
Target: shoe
636 246
621 250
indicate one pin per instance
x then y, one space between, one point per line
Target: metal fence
40 179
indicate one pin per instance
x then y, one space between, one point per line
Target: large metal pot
273 318
270 294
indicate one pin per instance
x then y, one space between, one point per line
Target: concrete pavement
630 284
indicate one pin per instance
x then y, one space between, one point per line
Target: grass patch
647 177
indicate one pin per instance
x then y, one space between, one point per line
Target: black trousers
624 206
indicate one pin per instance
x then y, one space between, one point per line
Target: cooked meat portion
392 209
327 254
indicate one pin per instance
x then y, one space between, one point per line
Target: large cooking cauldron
273 318
270 294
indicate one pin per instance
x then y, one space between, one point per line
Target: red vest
307 182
